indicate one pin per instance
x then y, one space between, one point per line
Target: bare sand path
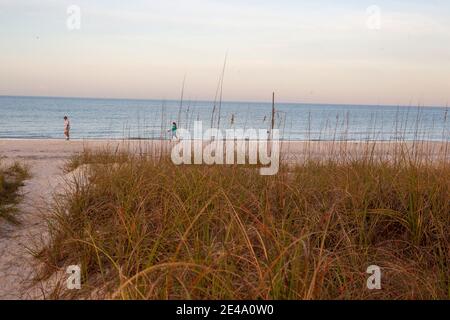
16 263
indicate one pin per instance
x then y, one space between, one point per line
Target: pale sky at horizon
307 51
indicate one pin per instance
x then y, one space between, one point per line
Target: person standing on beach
66 128
174 131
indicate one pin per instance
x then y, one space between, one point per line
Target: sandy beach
47 154
53 149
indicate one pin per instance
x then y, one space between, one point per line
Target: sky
393 52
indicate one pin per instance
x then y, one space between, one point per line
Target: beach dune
46 158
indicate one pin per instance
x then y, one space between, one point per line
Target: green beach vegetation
11 179
142 228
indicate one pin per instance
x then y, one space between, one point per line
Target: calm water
31 117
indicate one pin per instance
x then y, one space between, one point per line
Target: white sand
46 149
46 157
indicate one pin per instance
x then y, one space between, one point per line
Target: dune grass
11 179
145 229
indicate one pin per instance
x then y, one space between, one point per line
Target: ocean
42 117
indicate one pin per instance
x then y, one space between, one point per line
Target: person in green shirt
174 131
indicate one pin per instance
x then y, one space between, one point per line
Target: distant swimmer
66 128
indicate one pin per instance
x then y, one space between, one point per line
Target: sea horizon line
229 101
